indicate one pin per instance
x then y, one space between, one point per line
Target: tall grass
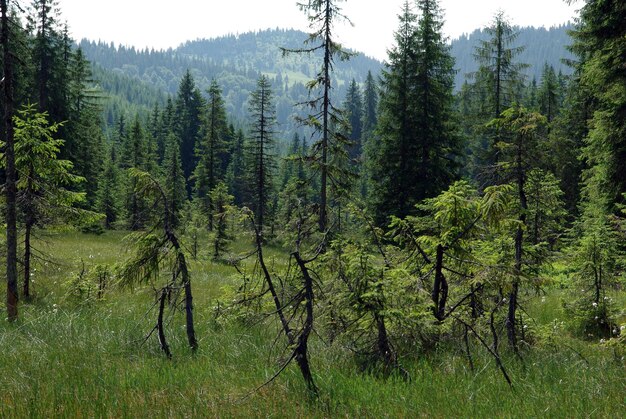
65 358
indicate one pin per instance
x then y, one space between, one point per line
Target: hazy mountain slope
136 79
541 45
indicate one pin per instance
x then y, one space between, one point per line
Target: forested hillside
541 46
138 79
270 224
134 80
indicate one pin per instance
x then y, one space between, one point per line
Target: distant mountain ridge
135 80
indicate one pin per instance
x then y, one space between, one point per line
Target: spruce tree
323 15
415 158
43 177
134 158
599 43
497 85
108 195
548 94
354 115
260 153
10 188
187 123
236 173
208 172
174 182
370 107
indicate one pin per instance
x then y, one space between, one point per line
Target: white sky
166 23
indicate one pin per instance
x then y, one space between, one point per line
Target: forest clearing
83 356
272 224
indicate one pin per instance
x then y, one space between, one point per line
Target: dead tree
295 312
158 248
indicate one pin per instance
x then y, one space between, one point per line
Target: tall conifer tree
261 154
415 158
323 15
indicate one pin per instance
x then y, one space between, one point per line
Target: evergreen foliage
261 165
415 156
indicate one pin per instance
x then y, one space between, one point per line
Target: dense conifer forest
272 224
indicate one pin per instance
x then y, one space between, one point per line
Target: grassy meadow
72 357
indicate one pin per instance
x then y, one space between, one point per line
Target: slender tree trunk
160 327
11 176
440 287
519 242
27 253
186 279
385 352
270 284
43 59
323 222
301 351
191 332
184 273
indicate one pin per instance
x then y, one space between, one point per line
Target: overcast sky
166 23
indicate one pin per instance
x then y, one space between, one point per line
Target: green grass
64 358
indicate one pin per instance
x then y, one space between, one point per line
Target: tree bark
11 175
301 351
160 328
440 287
27 254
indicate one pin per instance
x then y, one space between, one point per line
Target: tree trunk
511 323
440 287
191 332
11 176
27 254
385 352
270 285
301 351
160 328
323 222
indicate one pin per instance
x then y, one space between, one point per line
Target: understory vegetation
410 250
77 355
